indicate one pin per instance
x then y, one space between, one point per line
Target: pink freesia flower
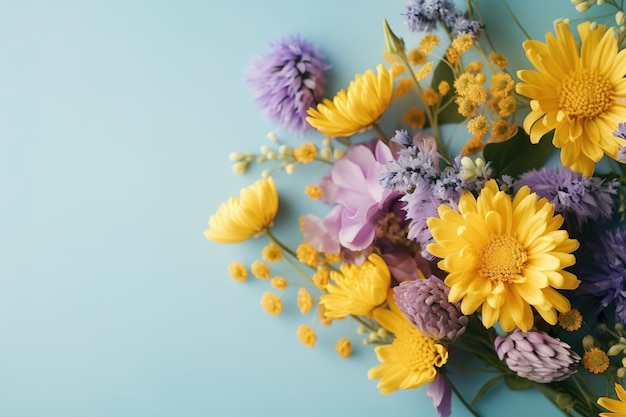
353 186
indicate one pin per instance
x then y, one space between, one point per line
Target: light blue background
116 119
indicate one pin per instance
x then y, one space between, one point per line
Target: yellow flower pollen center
502 259
417 351
585 94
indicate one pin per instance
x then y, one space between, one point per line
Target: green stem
458 394
380 133
290 252
432 120
517 22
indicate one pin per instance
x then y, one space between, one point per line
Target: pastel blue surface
116 119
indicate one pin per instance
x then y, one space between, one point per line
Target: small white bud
265 174
360 329
284 150
338 153
326 154
235 156
240 167
326 142
272 136
271 155
264 149
290 169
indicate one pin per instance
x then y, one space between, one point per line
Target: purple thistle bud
287 81
537 356
425 303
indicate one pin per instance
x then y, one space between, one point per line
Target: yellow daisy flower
358 289
411 360
354 110
617 407
247 216
580 94
504 255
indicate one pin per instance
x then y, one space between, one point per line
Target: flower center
585 94
502 259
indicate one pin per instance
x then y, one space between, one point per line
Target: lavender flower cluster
423 15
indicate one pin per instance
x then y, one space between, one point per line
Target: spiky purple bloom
423 15
537 356
425 303
581 200
288 80
601 268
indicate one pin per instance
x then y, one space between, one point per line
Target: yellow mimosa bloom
354 110
617 407
595 360
238 271
411 360
279 283
271 304
578 93
272 253
305 153
504 255
306 335
260 270
304 300
358 289
247 216
343 347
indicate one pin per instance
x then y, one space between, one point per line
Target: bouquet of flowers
509 251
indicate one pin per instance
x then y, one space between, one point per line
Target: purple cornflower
537 356
425 303
423 15
579 199
601 268
287 81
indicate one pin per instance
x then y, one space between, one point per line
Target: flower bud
393 44
537 356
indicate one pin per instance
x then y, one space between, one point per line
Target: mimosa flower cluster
511 251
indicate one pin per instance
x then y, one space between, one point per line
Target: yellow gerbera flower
411 360
356 109
617 407
581 95
504 256
358 289
247 216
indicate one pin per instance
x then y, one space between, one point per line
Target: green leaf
450 114
485 388
517 155
516 383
